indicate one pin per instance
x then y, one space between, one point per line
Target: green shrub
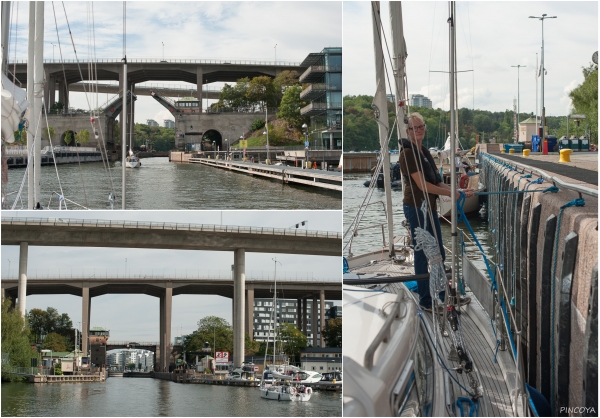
258 124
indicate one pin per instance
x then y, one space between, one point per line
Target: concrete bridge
132 234
68 75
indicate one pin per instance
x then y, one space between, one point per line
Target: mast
452 37
5 34
30 114
124 117
38 89
381 117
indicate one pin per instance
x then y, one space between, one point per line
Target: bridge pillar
249 321
322 314
85 317
166 304
314 320
199 84
63 93
239 285
24 249
304 317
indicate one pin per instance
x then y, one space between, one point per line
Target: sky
189 30
136 317
491 37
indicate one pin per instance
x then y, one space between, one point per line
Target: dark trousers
415 218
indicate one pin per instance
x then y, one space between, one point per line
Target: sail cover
14 104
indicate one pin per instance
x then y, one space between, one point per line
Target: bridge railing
133 344
164 274
171 226
168 61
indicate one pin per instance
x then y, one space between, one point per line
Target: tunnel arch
72 143
210 136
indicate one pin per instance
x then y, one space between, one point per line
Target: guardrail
171 226
149 274
166 61
25 371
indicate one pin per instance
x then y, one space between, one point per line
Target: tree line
361 132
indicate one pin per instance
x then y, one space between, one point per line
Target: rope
574 202
551 189
498 342
426 242
472 410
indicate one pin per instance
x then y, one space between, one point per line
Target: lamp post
305 132
125 267
8 267
542 69
518 67
163 45
244 154
214 347
266 132
275 53
53 46
226 149
215 149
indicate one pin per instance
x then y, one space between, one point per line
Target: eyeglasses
417 128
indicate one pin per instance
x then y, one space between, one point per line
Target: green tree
293 340
585 99
68 137
14 338
37 319
55 342
49 133
252 347
333 333
214 330
289 109
261 91
285 79
82 137
130 366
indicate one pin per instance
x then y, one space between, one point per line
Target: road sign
306 144
244 143
256 368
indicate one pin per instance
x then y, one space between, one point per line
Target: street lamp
275 53
53 46
226 148
215 149
266 132
163 45
8 267
518 67
542 69
305 132
244 153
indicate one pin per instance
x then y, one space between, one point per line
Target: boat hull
285 393
445 205
132 164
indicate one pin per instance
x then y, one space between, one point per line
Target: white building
143 359
151 122
321 359
420 100
168 123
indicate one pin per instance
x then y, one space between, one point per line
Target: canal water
141 397
160 184
354 194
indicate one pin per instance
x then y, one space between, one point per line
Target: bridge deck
331 180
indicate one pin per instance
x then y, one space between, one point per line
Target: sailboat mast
399 65
30 114
381 117
124 117
275 315
38 89
5 34
452 37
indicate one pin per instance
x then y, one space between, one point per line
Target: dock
330 180
97 377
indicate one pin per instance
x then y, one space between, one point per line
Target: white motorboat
133 161
303 376
286 393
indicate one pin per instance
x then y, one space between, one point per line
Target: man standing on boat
422 181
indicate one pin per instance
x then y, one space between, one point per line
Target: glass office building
323 98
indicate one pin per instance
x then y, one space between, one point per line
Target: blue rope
535 412
574 202
472 410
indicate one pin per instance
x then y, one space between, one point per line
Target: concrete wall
76 123
584 222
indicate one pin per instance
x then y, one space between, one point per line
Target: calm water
354 193
159 184
152 397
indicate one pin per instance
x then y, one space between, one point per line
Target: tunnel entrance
212 136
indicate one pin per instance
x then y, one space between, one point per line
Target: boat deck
479 337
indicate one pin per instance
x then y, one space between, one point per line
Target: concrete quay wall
557 333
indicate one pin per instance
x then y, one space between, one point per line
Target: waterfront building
323 98
151 122
287 312
390 97
420 100
119 357
168 123
97 339
321 359
527 128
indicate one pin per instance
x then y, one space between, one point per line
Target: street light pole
53 46
275 53
163 45
305 131
267 133
226 149
518 67
542 69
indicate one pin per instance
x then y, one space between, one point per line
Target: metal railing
25 371
171 226
166 61
163 274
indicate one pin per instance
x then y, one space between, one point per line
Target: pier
330 180
546 257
